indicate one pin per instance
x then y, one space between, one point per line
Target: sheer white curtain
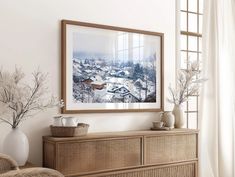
217 135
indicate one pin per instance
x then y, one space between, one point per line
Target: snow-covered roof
98 83
123 86
88 71
131 95
142 83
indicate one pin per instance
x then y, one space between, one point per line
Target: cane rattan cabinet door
96 155
174 170
49 154
171 148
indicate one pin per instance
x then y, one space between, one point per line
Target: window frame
188 112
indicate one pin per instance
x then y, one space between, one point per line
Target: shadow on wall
4 130
35 144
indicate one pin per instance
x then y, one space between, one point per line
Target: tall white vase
16 145
179 116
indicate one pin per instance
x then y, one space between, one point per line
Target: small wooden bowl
61 131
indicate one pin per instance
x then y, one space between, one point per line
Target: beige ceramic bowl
158 124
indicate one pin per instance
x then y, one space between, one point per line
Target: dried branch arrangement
188 84
19 101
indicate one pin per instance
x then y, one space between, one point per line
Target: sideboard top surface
121 134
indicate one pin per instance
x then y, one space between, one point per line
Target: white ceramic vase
179 116
16 145
168 118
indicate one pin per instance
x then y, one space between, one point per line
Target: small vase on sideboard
179 116
168 118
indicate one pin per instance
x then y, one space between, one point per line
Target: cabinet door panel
163 149
96 155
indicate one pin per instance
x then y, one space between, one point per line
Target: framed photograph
111 69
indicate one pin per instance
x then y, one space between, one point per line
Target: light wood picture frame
111 69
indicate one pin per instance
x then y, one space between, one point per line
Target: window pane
136 54
141 53
192 56
125 41
183 42
192 43
141 39
200 61
192 103
183 4
200 57
200 24
183 21
120 42
184 106
192 5
185 116
183 60
201 6
136 40
192 120
192 22
125 55
120 55
200 44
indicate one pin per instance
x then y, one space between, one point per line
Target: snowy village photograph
114 67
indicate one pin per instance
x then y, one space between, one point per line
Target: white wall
30 37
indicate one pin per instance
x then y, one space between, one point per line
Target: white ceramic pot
168 118
16 145
58 121
69 121
179 116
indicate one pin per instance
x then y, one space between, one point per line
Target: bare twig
188 83
22 100
6 121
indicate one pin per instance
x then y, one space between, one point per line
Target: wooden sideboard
125 154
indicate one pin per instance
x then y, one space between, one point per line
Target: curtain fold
217 101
